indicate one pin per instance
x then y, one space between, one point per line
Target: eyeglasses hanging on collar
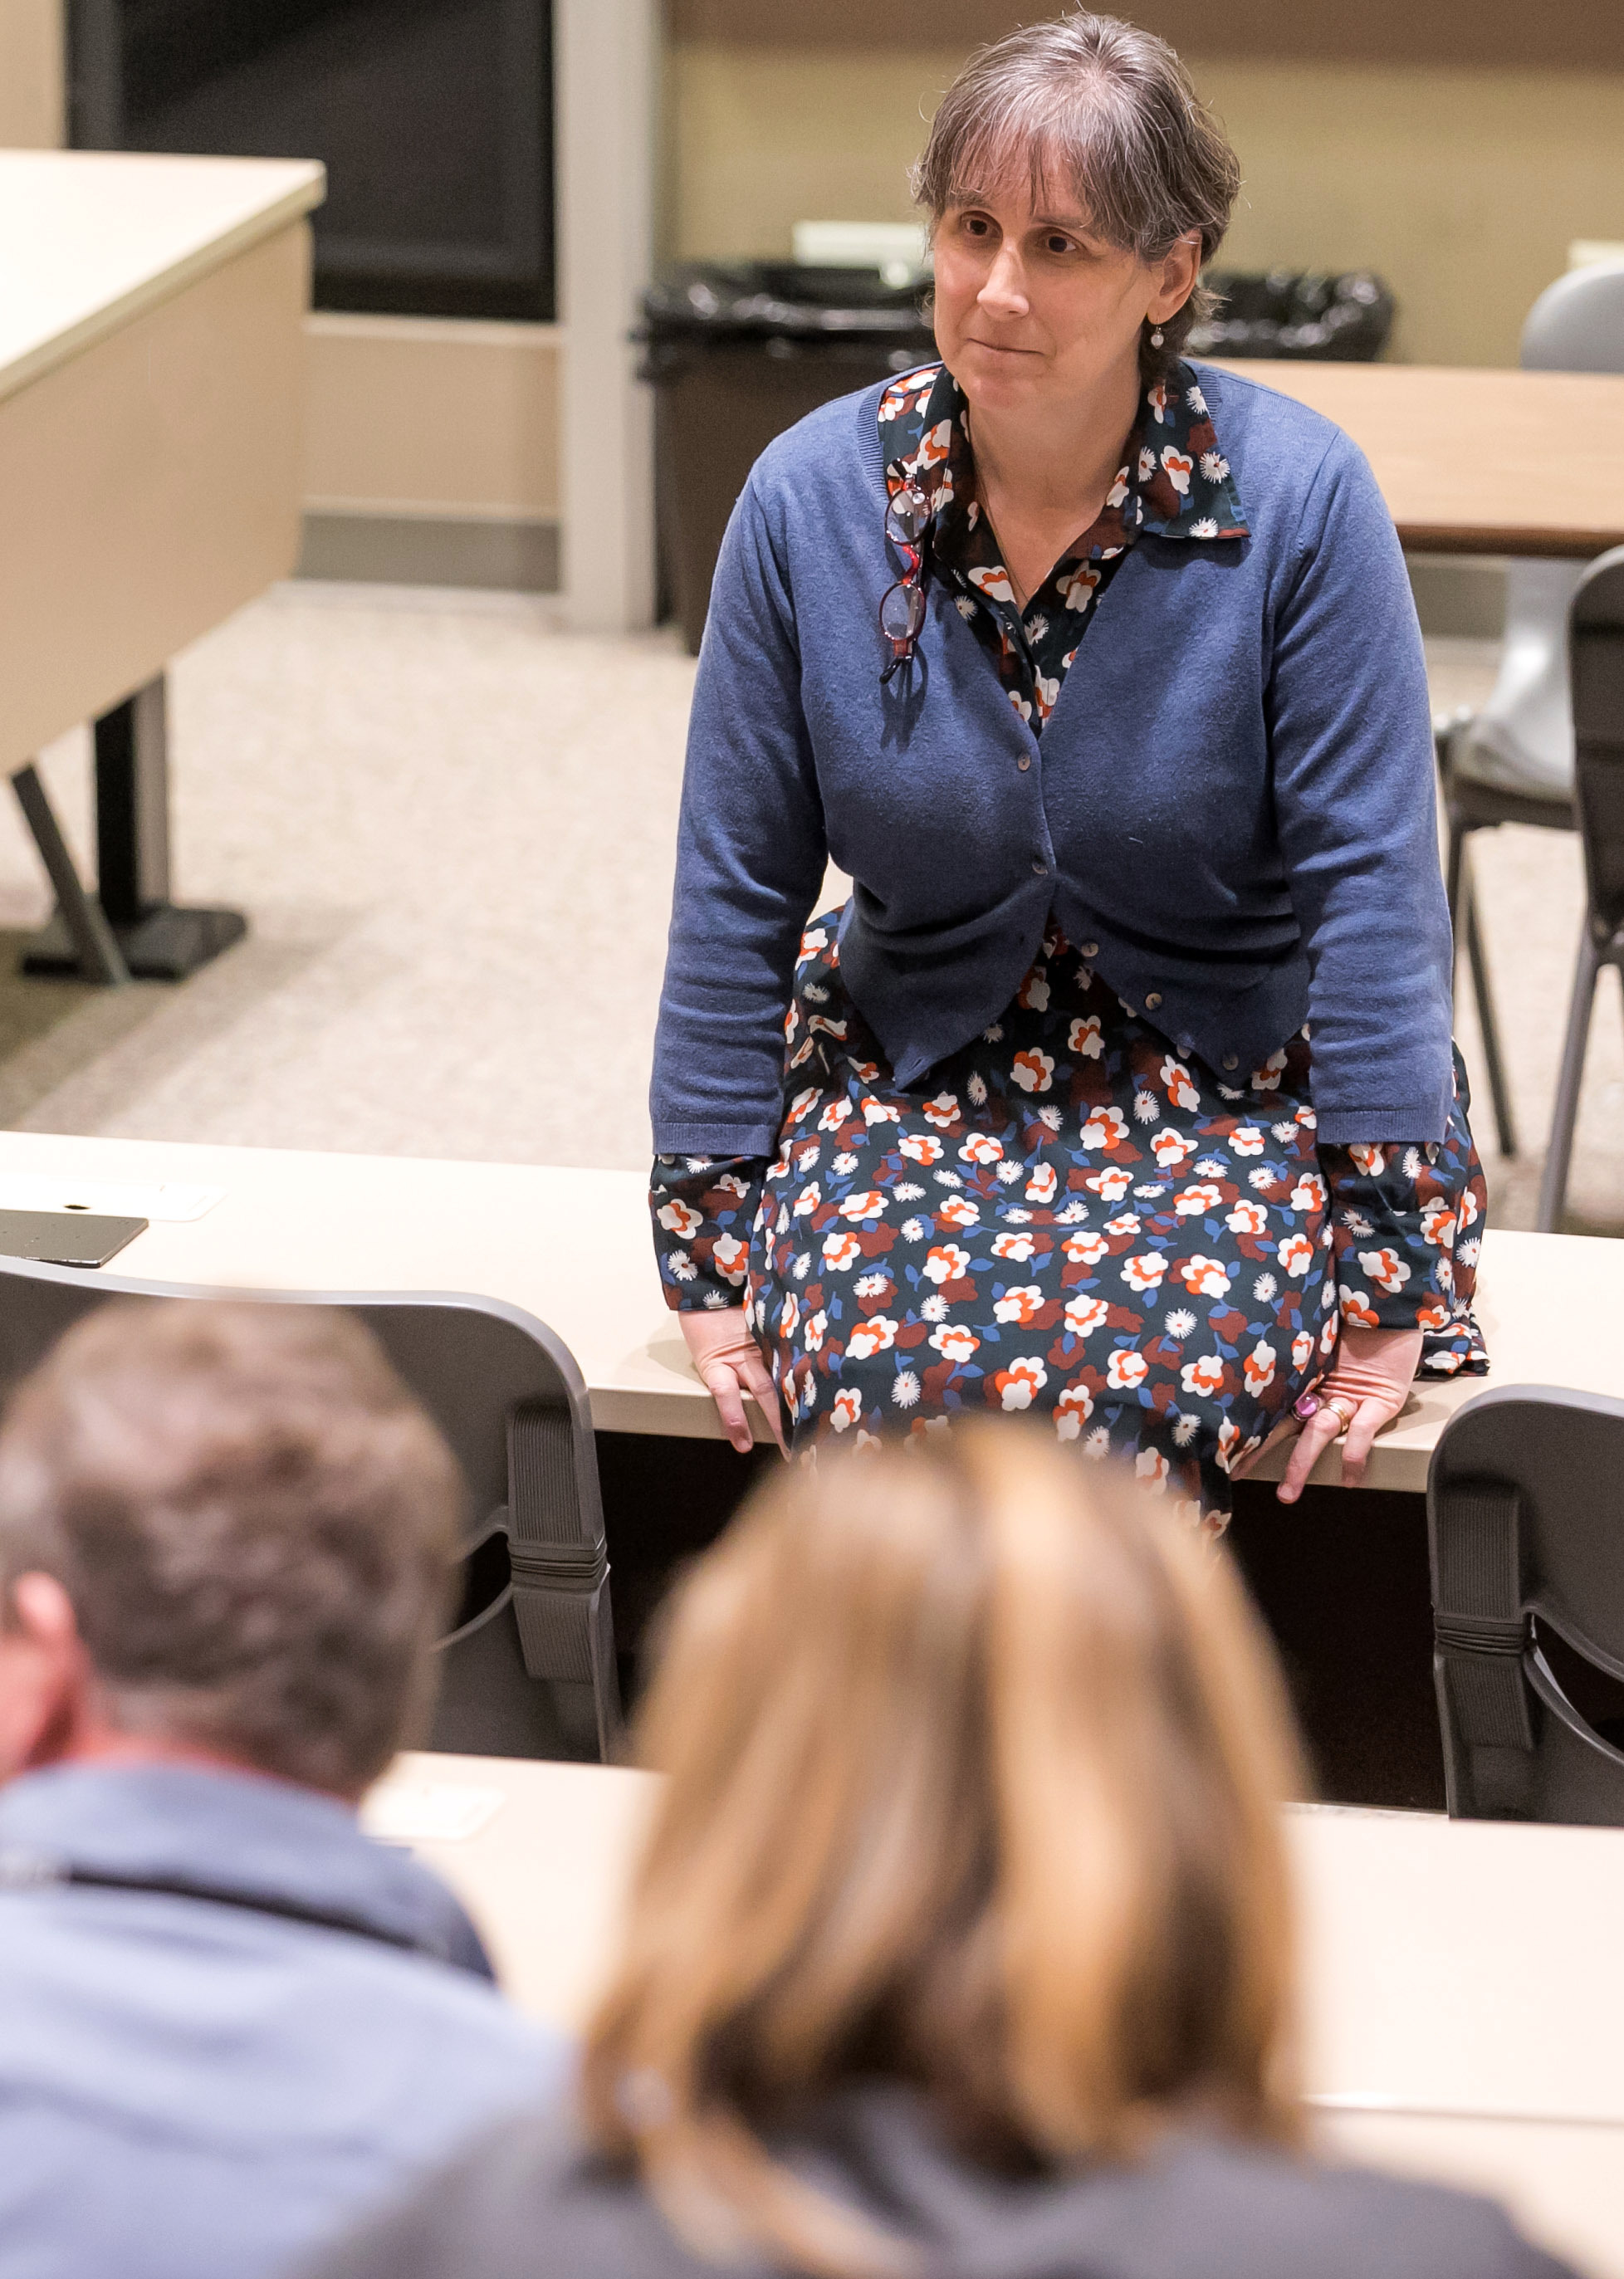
903 609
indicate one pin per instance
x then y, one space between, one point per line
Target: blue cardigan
1233 798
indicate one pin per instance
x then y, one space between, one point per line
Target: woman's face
1032 309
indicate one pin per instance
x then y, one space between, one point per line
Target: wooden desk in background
572 1247
151 436
1463 1982
1470 462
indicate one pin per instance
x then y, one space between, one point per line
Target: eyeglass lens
902 613
906 517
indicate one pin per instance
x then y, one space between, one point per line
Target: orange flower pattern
1054 1252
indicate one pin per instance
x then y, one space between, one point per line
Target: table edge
299 199
1497 538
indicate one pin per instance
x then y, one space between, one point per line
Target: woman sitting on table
961 1942
1123 1087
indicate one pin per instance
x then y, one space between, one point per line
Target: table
1463 1982
1467 460
151 388
573 1247
1465 1991
545 1875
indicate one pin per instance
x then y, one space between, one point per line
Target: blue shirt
1232 796
189 2090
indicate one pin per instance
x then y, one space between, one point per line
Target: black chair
1595 670
1525 1523
529 1666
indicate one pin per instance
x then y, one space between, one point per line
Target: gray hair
1109 110
255 1521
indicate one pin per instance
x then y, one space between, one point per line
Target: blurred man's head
225 1531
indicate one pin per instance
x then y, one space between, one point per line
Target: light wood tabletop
90 238
1462 1982
572 1248
152 415
1478 461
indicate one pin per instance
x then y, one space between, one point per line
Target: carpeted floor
451 826
451 823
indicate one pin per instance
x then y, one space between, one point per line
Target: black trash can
1297 313
737 353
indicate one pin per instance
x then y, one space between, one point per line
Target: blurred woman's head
974 1757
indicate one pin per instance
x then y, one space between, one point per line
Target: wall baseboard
521 557
1459 595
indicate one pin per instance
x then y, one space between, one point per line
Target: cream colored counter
151 387
545 1875
1463 1983
573 1247
1465 2001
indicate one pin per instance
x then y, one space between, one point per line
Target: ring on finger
1344 1411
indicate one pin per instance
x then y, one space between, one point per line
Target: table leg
99 956
161 940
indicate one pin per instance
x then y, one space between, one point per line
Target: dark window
433 118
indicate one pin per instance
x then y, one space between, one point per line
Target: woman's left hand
1373 1372
1369 1382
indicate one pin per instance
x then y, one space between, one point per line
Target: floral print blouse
1175 482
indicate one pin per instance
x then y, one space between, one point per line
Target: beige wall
413 416
1463 187
30 74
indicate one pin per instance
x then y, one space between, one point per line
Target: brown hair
973 1758
1111 111
255 1521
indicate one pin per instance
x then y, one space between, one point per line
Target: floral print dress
1068 1215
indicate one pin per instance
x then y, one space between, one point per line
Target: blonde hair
973 1758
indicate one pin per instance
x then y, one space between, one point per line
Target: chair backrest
1525 1521
1526 727
510 1400
1577 324
1595 668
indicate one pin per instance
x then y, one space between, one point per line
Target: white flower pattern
1209 1287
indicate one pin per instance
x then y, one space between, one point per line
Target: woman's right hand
730 1362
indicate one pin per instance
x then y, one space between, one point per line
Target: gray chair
1525 1521
529 1665
1595 666
1513 760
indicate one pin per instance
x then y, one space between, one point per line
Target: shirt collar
1174 483
246 1832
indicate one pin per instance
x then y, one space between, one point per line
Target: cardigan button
1231 1060
1024 762
1040 870
1088 949
1153 1001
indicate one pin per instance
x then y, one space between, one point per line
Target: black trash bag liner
1297 313
705 305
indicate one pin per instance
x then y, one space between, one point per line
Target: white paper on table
428 1812
38 1191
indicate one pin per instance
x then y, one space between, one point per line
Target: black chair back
1525 1520
1596 658
529 1667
